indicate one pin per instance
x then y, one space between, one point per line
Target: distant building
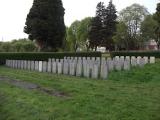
101 49
151 45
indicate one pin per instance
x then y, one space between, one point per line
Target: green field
126 95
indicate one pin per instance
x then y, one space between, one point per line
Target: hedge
44 56
137 53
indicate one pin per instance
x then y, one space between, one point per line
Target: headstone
152 60
22 64
79 68
49 68
138 60
40 66
146 60
19 64
86 69
95 71
72 68
36 66
32 65
54 67
60 66
104 71
126 64
25 65
28 65
66 67
142 62
110 64
117 64
133 61
44 66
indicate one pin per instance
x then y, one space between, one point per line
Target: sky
13 13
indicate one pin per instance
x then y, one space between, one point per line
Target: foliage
132 16
45 56
103 26
136 53
157 18
95 36
109 26
148 27
72 37
127 95
45 24
21 45
120 36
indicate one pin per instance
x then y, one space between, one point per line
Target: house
151 45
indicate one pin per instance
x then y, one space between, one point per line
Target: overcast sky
13 13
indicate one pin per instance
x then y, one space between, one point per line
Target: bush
137 53
45 56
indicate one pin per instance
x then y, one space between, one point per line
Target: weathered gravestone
60 66
133 61
86 69
66 67
110 64
95 70
146 60
126 64
25 65
54 67
117 64
104 71
32 65
28 65
152 60
44 66
142 62
40 66
138 60
36 66
49 66
79 68
72 67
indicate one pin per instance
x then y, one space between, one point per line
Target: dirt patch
31 86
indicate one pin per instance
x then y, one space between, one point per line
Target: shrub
137 53
45 56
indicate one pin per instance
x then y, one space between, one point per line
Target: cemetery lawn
127 95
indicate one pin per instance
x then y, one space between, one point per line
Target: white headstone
40 66
36 65
126 64
44 66
152 60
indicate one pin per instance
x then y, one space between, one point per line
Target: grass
127 95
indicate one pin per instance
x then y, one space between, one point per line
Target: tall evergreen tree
157 18
109 26
95 33
104 26
45 24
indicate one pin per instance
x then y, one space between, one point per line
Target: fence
94 67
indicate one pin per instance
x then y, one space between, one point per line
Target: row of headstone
81 67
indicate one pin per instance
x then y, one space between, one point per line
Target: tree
148 27
83 32
103 26
95 35
72 33
109 26
157 18
120 37
132 16
95 32
45 24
